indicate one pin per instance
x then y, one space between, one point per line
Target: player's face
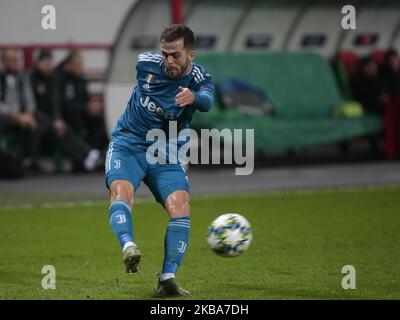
177 59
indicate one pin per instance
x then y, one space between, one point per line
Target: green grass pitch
301 242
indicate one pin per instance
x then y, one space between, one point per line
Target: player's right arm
203 90
204 97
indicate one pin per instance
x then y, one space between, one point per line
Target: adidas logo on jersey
152 107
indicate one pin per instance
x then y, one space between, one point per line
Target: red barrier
29 49
177 11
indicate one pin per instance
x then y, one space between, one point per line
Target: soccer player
170 88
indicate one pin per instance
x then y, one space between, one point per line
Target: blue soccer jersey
152 102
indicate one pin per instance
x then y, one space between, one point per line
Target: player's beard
176 72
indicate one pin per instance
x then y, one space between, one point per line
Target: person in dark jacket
74 104
367 87
57 131
390 79
390 73
71 96
17 109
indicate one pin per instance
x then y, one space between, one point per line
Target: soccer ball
229 235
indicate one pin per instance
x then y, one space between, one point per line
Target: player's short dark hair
178 31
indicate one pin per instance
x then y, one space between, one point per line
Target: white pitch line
246 195
65 204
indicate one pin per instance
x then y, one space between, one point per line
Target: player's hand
185 97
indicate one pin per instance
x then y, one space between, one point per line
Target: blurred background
324 101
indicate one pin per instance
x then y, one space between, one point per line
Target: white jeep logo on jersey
152 107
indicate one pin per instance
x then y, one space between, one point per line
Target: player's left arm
201 96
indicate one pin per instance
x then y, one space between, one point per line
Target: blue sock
176 242
121 221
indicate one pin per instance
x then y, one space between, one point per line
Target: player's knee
178 204
122 190
180 210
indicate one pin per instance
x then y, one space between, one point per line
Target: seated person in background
72 98
17 108
96 129
55 129
390 78
390 73
367 87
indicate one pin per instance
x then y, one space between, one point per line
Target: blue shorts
162 179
